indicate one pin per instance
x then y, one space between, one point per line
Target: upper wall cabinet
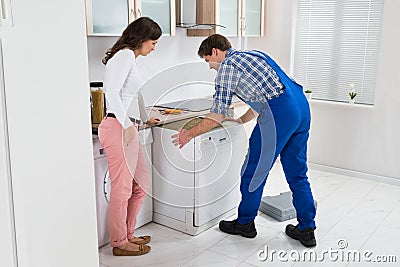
228 15
107 18
162 11
110 18
239 17
253 15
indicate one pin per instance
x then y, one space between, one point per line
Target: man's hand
181 138
184 136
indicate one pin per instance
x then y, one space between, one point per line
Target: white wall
342 136
170 50
365 139
278 26
357 138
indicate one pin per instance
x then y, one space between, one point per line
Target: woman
119 136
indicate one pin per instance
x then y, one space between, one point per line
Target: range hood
190 14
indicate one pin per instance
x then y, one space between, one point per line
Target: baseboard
143 219
356 174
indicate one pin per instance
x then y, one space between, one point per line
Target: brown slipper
144 240
143 249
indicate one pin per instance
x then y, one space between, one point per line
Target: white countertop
166 118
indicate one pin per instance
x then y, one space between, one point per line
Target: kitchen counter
167 118
164 118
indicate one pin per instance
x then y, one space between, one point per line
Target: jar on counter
97 101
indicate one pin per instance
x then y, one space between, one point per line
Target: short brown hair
213 41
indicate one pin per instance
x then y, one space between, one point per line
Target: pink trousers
130 180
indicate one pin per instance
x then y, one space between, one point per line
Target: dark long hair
138 32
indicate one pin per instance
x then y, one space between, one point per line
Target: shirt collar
230 52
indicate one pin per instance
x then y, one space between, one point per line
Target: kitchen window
336 43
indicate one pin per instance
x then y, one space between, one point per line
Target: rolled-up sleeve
225 84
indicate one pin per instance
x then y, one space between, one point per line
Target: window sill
318 102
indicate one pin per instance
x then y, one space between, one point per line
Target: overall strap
281 74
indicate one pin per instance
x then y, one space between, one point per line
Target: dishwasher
197 186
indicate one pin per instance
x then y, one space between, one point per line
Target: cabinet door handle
243 24
5 13
102 151
3 10
133 14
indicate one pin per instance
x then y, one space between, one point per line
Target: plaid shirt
250 77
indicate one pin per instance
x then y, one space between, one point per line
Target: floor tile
211 258
365 214
336 206
244 264
363 219
240 248
382 244
175 254
267 255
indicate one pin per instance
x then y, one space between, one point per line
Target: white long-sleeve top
122 81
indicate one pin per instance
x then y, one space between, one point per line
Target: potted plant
308 94
352 92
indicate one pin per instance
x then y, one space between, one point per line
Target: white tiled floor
365 214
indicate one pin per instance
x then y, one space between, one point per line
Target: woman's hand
153 121
129 134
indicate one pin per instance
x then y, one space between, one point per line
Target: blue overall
282 129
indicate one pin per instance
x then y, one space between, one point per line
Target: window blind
336 43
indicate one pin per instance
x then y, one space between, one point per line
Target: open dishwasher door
198 185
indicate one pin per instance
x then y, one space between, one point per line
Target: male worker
283 123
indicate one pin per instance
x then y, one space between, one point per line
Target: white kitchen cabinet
253 17
8 250
239 17
161 11
229 16
106 19
110 18
47 201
